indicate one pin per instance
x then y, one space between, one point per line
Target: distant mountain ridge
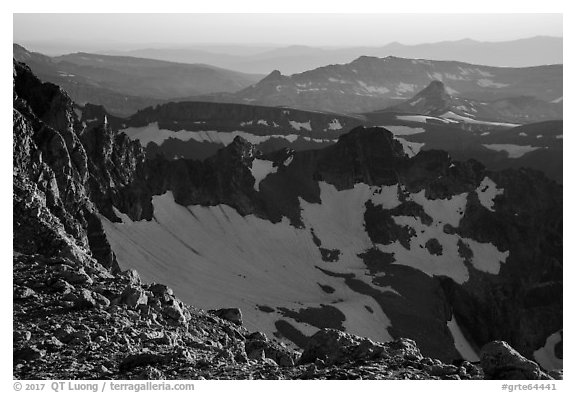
435 100
126 84
524 52
371 83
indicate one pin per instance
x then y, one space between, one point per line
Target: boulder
161 290
334 346
140 360
77 277
132 276
404 347
500 361
133 296
28 353
233 315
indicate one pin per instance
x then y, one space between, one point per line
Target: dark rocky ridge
65 172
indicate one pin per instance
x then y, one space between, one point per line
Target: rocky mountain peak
434 99
435 93
240 150
274 76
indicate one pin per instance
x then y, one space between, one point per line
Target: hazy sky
110 31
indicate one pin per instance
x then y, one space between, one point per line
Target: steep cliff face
66 168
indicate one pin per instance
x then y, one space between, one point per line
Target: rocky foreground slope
77 315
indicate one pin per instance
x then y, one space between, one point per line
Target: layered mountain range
371 83
298 58
363 237
432 119
126 84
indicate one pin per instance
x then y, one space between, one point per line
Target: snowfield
213 257
410 148
151 133
513 151
260 169
454 116
546 355
404 130
335 125
298 126
423 118
487 191
462 345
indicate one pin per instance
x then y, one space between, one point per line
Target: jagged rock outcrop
500 361
50 171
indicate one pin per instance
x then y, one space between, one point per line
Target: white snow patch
404 130
151 133
453 77
452 115
421 118
557 100
298 126
559 136
490 83
443 211
338 221
337 80
288 161
438 76
416 101
405 88
450 90
546 356
522 134
410 148
513 151
487 191
335 125
263 122
374 89
319 140
448 264
483 73
487 257
539 136
246 123
462 345
260 169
